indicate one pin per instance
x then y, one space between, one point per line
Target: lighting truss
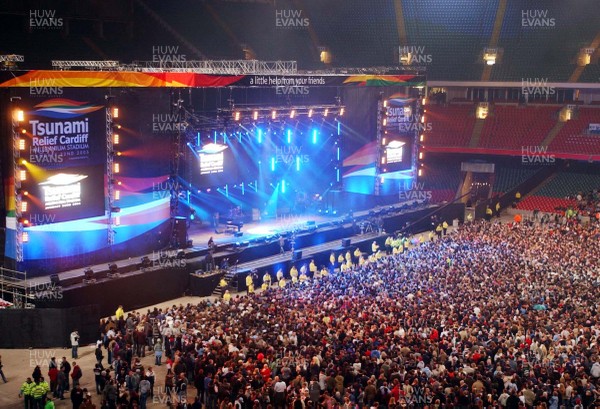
11 58
224 67
88 64
248 114
110 224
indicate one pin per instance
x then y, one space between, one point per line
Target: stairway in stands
476 135
552 134
487 70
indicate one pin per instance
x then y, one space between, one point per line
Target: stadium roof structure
556 40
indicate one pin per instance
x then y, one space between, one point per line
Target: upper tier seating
510 127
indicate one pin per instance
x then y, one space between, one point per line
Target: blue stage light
297 162
282 186
273 164
289 136
314 136
259 135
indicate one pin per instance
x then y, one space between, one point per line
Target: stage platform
227 244
169 274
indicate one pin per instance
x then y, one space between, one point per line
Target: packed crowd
494 315
588 203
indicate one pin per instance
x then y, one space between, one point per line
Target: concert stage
166 274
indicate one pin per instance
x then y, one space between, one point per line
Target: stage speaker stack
180 230
346 242
297 255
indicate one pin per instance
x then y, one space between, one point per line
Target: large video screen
397 153
64 158
67 194
215 165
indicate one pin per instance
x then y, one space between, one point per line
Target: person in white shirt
74 344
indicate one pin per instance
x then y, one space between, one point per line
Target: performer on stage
281 244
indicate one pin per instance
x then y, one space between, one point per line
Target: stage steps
229 277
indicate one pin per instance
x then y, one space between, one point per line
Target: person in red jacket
53 376
76 374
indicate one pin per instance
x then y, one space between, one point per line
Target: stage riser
153 286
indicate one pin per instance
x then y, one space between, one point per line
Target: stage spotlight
22 175
25 237
421 138
326 112
420 172
273 114
117 195
422 119
23 221
21 144
237 115
421 155
19 115
255 115
23 206
385 103
115 112
119 153
115 139
117 221
22 192
22 130
384 121
424 101
342 110
292 113
116 167
310 113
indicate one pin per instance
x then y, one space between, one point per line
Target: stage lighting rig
9 61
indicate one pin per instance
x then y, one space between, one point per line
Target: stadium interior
303 203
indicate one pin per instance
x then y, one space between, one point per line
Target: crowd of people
494 315
587 203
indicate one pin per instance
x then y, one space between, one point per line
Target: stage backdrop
361 150
65 150
65 153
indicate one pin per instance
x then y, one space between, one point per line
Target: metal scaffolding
14 288
223 67
4 58
90 65
109 173
16 137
